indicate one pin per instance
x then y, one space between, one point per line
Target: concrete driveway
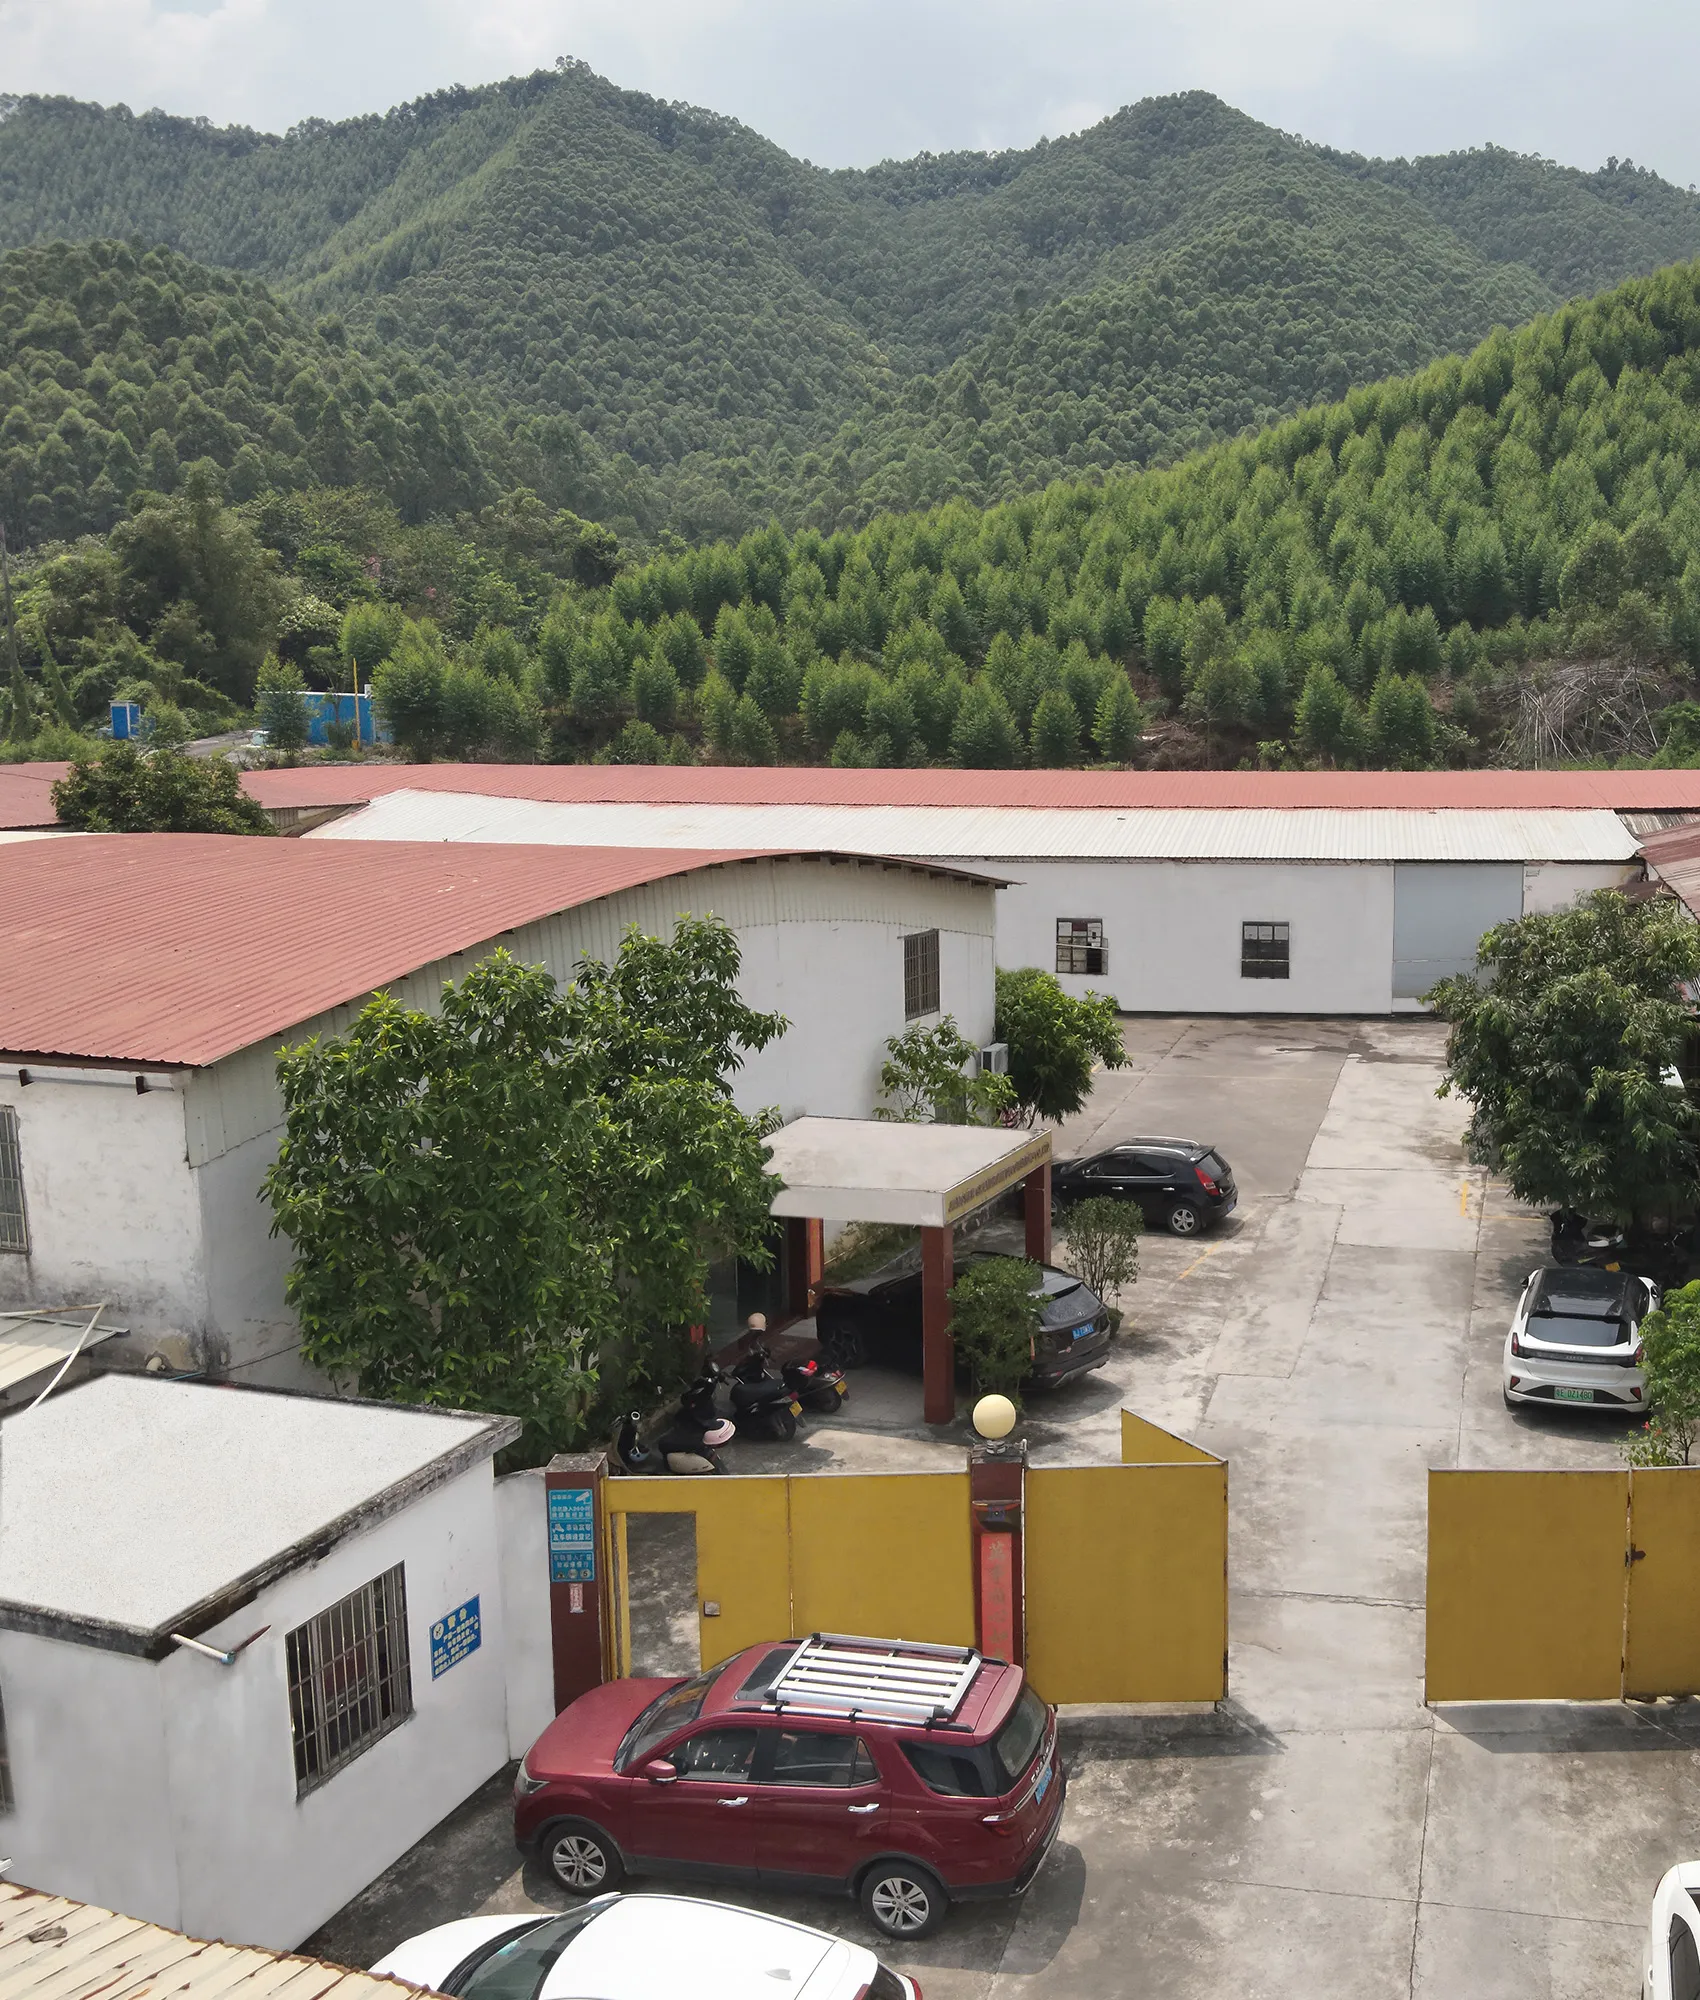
1325 1833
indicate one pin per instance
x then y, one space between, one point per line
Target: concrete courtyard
1324 1833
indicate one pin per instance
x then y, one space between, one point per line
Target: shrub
1103 1243
995 1323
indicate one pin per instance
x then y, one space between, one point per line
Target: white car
1673 1937
1576 1338
642 1948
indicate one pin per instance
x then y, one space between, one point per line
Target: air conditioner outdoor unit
994 1059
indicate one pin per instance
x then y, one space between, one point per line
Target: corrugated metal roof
31 1344
52 1948
184 947
1673 859
25 794
1283 791
1006 835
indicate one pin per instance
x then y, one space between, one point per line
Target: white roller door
1440 910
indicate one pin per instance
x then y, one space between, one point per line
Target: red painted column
995 1484
578 1580
805 1263
1036 1210
938 1351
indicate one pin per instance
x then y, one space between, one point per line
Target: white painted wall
1172 931
167 1790
1555 885
522 1530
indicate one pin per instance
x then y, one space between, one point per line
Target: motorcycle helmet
720 1433
756 1323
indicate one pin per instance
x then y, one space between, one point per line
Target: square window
1080 946
920 974
1265 951
349 1678
14 1221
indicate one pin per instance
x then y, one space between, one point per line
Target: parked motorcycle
1576 1240
814 1384
762 1401
633 1454
690 1445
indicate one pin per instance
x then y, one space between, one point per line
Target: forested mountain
719 332
1495 557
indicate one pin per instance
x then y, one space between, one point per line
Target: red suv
907 1775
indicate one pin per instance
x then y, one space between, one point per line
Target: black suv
1179 1185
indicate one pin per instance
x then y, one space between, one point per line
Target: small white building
338 1567
151 979
1190 909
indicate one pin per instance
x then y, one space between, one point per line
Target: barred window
1265 951
920 974
7 1801
1080 945
349 1681
14 1222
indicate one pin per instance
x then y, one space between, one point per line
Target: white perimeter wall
522 1526
167 1790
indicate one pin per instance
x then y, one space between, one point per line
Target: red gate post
996 1477
804 1263
578 1585
938 1351
1036 1212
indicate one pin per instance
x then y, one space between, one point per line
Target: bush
1671 1338
995 1323
1054 1040
1102 1236
122 789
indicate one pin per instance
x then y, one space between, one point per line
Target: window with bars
349 1680
7 1801
1265 951
14 1220
920 974
1080 945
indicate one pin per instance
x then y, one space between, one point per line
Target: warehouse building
151 980
1212 892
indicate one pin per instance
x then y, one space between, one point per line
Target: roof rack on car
883 1680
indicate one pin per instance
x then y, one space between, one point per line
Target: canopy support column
938 1351
1036 1209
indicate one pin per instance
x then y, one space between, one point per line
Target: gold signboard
992 1181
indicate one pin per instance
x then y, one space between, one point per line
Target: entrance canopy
869 1170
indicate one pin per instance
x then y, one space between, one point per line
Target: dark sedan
1179 1184
878 1318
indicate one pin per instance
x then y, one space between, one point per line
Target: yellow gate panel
1127 1581
1525 1585
1663 1651
1146 1443
743 1556
889 1554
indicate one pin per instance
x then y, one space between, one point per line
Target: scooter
690 1443
813 1383
1576 1240
761 1400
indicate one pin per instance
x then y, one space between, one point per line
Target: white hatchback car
1576 1338
1673 1937
642 1948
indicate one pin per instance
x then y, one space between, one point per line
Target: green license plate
1562 1395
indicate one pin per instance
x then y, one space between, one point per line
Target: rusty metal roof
1416 791
1673 860
26 794
52 1948
182 948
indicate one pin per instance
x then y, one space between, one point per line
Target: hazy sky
846 84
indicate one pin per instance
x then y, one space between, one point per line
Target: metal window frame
350 1678
920 974
1081 952
1268 957
14 1213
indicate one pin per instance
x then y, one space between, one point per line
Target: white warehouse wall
1172 931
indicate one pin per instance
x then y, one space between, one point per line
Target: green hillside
731 333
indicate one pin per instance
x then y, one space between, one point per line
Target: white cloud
851 81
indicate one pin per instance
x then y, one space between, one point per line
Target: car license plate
796 1407
1080 1332
1563 1395
843 1388
1043 1786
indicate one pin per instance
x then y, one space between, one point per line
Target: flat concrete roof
131 1507
874 1170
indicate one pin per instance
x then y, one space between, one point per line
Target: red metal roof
26 794
350 784
181 948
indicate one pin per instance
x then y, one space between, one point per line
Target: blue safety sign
572 1535
454 1636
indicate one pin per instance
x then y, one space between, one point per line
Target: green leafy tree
985 737
1564 1046
368 637
1056 731
1054 1041
121 788
753 740
1119 722
1102 1237
994 1321
278 706
512 1202
925 1079
1670 1339
408 687
1324 720
1401 723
